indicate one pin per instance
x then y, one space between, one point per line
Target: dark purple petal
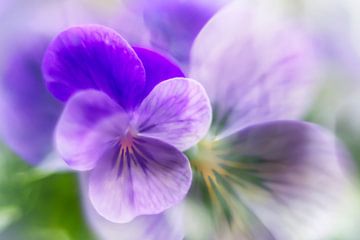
166 225
177 112
286 173
28 113
143 176
261 71
89 126
97 57
157 68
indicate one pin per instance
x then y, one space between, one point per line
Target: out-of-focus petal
255 66
157 68
162 226
286 173
28 113
174 24
90 124
347 124
93 56
177 112
146 177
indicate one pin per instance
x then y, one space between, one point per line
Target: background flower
29 112
256 172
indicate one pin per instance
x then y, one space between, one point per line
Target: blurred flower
262 71
122 124
28 112
348 125
262 177
174 24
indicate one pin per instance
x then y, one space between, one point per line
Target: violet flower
26 104
262 174
122 122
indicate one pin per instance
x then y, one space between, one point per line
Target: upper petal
89 126
177 111
287 174
144 176
255 65
157 67
97 57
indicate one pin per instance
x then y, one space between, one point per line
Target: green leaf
35 205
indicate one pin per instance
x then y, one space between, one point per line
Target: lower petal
166 225
146 177
286 175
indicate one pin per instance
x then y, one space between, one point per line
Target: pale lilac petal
93 56
305 173
90 125
147 177
157 67
162 226
177 112
285 173
255 65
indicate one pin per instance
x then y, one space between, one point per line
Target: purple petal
174 24
90 125
286 173
95 57
166 225
157 67
146 177
177 112
28 113
256 72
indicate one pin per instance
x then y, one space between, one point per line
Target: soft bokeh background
38 203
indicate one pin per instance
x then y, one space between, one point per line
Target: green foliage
38 206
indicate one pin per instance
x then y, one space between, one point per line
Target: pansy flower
262 174
122 122
32 119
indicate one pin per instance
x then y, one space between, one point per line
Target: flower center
124 153
203 157
206 162
127 141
